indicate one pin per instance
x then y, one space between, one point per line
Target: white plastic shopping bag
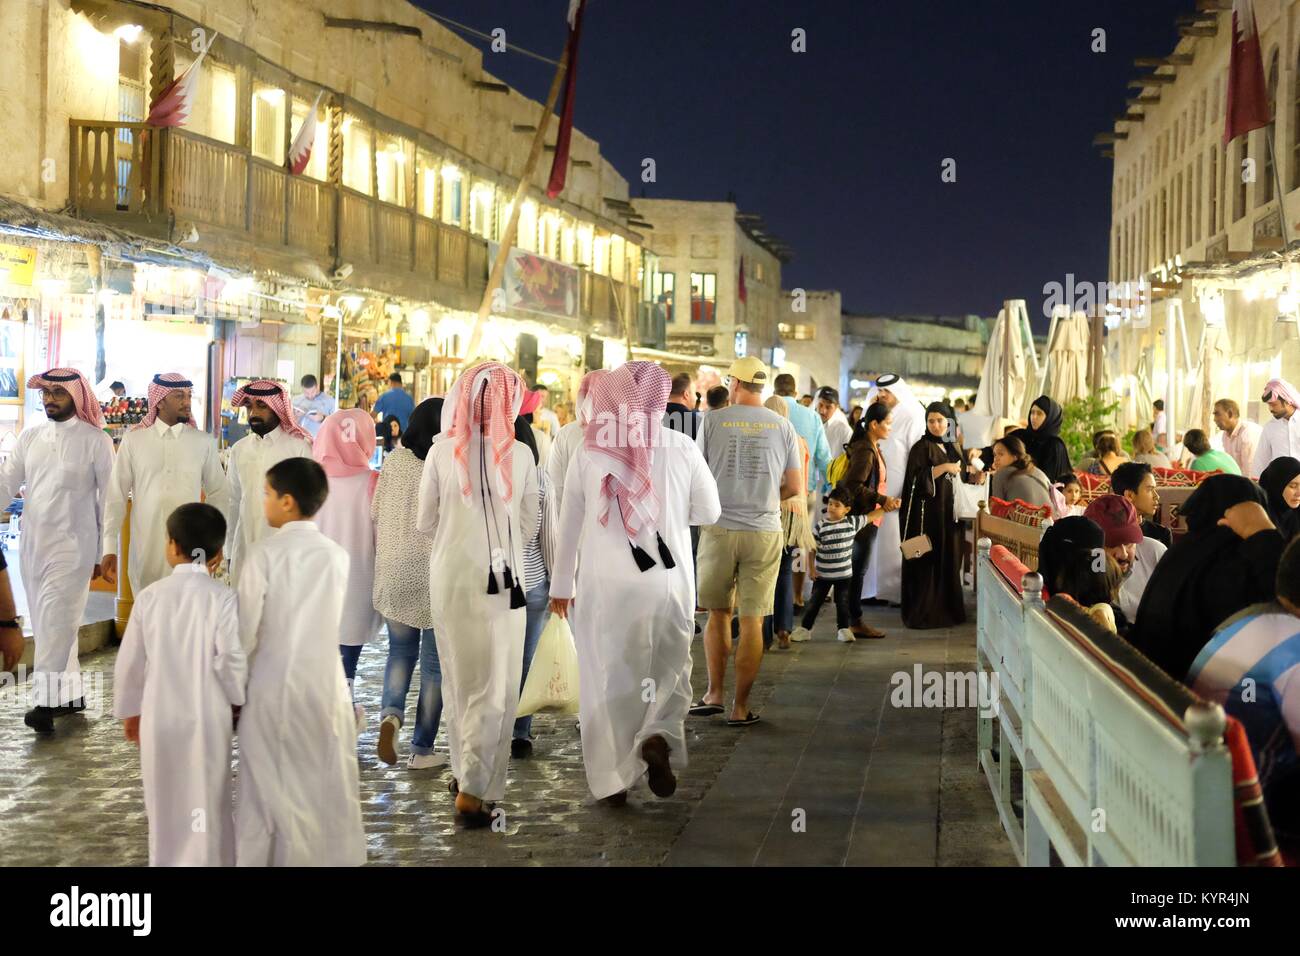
552 683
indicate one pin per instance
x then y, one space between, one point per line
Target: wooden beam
1198 31
523 128
1157 79
1174 59
381 26
579 162
1104 139
1131 117
491 87
1107 154
1146 99
1213 6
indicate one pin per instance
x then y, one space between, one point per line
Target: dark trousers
862 545
782 616
843 604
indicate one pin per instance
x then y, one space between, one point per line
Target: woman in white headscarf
478 502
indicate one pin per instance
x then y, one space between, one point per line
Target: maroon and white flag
560 165
173 105
1247 107
300 149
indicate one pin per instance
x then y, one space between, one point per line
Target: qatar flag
1247 107
173 105
560 165
300 149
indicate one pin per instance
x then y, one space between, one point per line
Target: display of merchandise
124 412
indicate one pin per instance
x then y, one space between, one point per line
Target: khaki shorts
738 569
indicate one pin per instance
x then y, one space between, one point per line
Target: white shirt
181 668
1149 553
250 457
1279 439
566 443
297 799
838 433
159 468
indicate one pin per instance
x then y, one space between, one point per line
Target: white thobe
250 457
345 520
66 467
838 433
1149 553
480 637
884 577
181 668
159 468
1280 438
634 633
297 797
566 443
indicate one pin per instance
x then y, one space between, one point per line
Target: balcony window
551 234
390 169
600 255
482 210
268 123
585 235
662 288
452 200
427 185
215 102
704 298
357 158
568 241
617 258
526 236
318 162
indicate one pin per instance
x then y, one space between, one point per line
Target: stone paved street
874 784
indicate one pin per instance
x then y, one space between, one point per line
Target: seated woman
1281 482
1067 563
1042 439
1144 450
1016 476
1109 456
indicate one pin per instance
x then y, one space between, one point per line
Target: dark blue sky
840 148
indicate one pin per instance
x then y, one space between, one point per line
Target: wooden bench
1121 765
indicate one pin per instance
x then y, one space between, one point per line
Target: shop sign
17 264
533 283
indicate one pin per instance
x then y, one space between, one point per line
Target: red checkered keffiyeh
584 394
484 401
1282 390
273 394
158 389
626 416
83 396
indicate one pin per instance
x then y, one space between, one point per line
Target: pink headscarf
584 394
622 430
484 401
274 395
1281 389
345 443
83 396
530 403
158 389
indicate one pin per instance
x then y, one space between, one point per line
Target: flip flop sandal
749 718
702 709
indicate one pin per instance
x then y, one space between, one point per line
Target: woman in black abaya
932 592
1042 439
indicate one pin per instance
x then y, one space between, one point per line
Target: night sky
840 148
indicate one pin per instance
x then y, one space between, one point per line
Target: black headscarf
1197 579
950 450
1044 443
422 427
1275 478
524 433
1051 427
1061 547
384 431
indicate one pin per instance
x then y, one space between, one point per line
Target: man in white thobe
65 465
884 577
162 463
1281 436
179 672
838 430
634 631
567 441
273 437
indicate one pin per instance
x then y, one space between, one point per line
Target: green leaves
1084 416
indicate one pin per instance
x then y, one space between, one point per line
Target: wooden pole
508 237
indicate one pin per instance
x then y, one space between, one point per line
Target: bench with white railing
1121 765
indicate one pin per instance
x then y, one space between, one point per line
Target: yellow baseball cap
748 369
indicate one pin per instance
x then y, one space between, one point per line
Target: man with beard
65 464
274 436
1133 554
1280 437
162 463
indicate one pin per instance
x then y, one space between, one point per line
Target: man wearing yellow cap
755 459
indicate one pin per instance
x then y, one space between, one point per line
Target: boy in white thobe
162 463
65 464
479 527
274 436
634 627
179 672
297 799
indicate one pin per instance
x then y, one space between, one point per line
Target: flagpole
508 237
1277 187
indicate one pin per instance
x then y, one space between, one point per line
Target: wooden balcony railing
135 176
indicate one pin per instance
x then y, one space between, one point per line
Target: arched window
1264 188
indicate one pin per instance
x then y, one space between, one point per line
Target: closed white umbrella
999 368
1068 359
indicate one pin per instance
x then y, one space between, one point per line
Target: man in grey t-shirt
755 459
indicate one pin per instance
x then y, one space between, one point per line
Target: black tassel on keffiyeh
665 555
643 560
517 599
493 587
